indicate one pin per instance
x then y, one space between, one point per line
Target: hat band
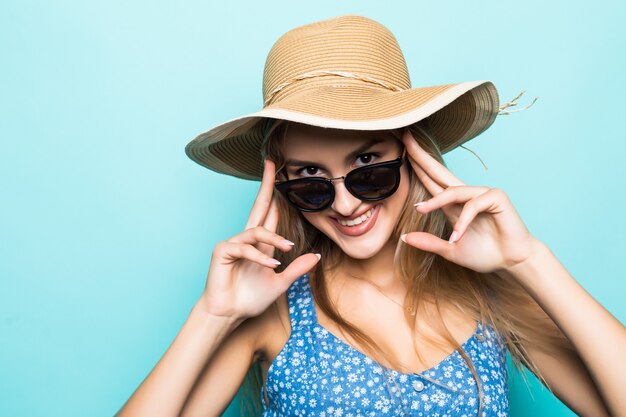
324 73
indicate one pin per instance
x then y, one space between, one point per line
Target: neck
377 270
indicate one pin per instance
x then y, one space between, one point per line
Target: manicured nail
421 203
319 255
274 261
453 237
403 238
287 242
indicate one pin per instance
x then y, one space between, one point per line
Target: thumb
297 268
429 243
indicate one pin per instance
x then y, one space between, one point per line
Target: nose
345 203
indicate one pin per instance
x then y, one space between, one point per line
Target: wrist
202 310
537 255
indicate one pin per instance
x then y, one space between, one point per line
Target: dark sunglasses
368 183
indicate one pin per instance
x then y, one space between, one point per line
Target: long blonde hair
486 297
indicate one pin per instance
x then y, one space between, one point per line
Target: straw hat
347 72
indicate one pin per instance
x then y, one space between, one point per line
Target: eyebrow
348 158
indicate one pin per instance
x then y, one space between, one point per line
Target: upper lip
353 217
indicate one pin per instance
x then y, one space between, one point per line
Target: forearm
599 338
165 389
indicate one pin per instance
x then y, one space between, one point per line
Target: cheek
313 218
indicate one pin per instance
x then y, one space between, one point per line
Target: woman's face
311 151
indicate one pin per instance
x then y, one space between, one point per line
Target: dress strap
301 308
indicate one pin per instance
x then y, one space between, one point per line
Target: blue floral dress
317 374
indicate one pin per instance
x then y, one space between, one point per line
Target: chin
363 249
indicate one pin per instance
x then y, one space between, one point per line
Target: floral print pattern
317 374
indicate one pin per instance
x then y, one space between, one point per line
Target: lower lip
361 228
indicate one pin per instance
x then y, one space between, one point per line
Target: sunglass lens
375 183
310 195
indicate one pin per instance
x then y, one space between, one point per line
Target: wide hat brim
456 113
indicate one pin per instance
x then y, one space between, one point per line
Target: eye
366 158
313 171
309 171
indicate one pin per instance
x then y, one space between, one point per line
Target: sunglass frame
395 164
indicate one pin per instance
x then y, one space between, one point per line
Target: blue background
106 227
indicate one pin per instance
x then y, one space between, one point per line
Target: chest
317 372
387 326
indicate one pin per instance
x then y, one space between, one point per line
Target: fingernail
274 261
287 242
319 255
453 237
403 238
421 203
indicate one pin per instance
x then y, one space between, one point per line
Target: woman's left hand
488 235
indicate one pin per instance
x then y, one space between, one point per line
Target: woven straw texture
347 72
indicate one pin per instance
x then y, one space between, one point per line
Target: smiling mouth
355 222
359 225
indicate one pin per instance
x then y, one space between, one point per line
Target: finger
271 223
432 187
265 240
430 243
433 168
271 220
230 252
455 194
264 196
296 268
435 189
450 201
487 202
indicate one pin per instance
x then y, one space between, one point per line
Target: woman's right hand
241 282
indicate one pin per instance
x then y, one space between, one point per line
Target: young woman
369 280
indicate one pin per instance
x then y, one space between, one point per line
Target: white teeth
358 220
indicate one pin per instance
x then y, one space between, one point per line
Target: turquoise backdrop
106 227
